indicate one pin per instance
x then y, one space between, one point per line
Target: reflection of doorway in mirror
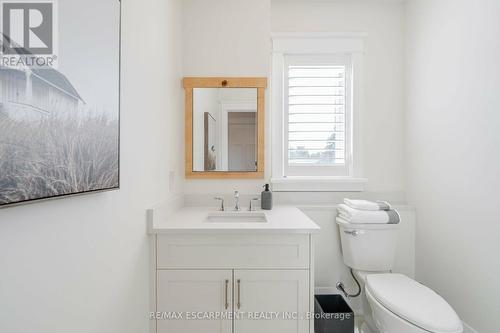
242 161
210 127
210 144
242 141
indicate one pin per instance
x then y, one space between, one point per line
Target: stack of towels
365 212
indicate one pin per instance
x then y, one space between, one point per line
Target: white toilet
392 303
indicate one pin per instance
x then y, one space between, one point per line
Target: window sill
318 184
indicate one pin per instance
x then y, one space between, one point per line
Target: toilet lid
413 302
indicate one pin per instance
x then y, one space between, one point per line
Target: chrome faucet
221 203
237 201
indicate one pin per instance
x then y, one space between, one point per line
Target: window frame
320 45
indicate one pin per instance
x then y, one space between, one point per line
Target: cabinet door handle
226 283
239 294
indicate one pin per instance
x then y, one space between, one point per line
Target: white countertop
281 219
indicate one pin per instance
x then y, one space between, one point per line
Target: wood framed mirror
224 127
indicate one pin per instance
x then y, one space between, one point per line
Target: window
317 94
316 110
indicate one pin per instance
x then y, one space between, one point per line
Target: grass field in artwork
57 156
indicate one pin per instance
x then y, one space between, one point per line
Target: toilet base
366 325
365 329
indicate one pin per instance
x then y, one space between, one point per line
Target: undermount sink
236 217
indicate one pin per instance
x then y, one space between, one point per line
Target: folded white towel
367 216
367 205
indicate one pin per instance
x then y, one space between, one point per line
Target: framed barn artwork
59 98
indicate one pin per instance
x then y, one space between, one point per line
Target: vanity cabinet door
271 301
185 295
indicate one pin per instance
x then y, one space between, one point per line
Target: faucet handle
237 201
221 203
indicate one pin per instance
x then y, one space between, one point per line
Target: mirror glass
225 129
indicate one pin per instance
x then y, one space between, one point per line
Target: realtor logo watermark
28 33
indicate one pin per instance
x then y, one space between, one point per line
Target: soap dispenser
266 198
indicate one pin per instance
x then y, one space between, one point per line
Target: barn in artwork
31 93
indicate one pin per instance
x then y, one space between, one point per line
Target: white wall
81 264
382 133
232 37
452 151
227 38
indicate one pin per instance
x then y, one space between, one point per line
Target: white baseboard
468 329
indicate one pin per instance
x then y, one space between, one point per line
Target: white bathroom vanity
225 272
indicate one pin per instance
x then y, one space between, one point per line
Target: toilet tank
368 247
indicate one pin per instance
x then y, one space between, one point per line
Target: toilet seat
413 302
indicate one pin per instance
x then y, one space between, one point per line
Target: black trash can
332 315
